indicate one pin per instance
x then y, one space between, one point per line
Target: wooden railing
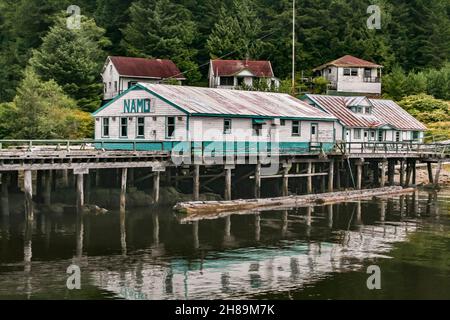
442 149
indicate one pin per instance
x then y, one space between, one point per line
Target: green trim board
213 147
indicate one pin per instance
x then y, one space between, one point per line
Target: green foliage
162 29
73 58
237 32
41 110
320 85
426 108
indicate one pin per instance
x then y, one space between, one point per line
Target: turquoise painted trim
211 147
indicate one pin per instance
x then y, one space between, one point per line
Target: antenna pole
293 46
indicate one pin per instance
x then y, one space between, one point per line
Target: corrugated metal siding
207 101
391 113
385 112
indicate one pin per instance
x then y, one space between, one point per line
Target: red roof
350 61
262 69
385 112
146 68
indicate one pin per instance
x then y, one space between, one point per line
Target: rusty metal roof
237 103
262 69
384 112
146 68
391 113
349 61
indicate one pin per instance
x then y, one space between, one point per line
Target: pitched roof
384 112
349 61
261 69
146 68
222 102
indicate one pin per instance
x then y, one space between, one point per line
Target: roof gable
349 61
384 112
236 103
146 68
223 68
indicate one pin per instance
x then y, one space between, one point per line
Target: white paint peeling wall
200 128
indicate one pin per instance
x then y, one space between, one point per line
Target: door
314 132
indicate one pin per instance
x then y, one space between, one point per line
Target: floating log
211 207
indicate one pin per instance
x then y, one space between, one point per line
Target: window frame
140 125
355 136
121 125
354 72
227 129
105 126
227 82
168 126
349 72
296 124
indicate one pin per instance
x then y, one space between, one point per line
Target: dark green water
306 253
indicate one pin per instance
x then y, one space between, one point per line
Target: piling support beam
228 182
4 194
156 183
391 172
331 177
414 172
258 180
123 189
285 189
196 185
430 173
383 173
80 190
338 174
47 187
438 173
359 173
28 188
65 178
402 172
309 187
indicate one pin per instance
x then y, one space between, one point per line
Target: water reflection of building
245 271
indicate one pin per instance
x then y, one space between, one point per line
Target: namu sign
136 106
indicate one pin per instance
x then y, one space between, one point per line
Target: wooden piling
414 172
430 173
309 186
156 184
359 173
47 187
285 188
402 173
80 190
391 172
331 177
228 182
258 181
383 174
196 184
123 189
28 188
338 174
4 195
438 173
65 178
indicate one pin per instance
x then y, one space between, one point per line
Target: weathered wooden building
232 74
351 75
121 73
361 119
155 117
